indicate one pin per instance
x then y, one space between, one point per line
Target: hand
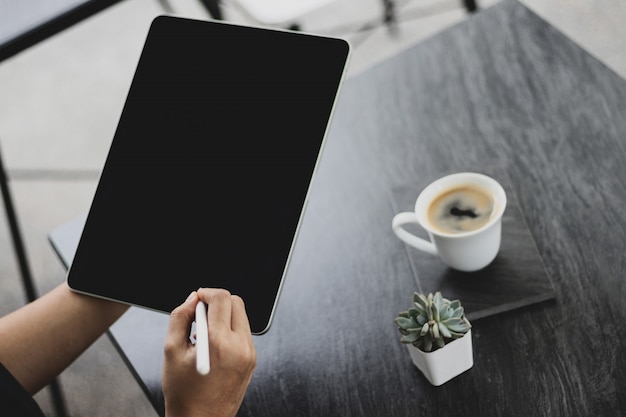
232 357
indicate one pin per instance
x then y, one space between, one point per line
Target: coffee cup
462 215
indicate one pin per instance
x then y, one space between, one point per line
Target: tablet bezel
76 279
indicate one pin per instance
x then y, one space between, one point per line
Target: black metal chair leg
213 8
27 278
18 244
389 15
470 5
58 399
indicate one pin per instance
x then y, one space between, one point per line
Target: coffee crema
460 209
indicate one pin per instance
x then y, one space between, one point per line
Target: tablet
207 175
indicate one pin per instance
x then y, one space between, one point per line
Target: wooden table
502 87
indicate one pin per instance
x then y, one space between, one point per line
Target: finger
219 308
181 318
239 317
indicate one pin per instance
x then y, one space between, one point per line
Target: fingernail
193 293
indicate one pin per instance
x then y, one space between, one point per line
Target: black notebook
208 172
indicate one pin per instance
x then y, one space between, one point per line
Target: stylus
203 364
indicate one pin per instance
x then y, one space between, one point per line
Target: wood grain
503 86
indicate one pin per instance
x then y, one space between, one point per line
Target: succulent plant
432 322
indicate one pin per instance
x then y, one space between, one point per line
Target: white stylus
203 364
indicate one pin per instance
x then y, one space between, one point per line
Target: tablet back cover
207 175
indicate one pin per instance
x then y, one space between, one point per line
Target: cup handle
406 217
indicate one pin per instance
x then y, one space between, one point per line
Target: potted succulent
438 336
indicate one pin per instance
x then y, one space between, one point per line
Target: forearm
41 339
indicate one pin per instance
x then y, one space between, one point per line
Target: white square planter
445 363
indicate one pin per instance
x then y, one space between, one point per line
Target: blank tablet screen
209 168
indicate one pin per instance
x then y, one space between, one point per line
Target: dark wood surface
503 87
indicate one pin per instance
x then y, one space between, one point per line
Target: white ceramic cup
464 251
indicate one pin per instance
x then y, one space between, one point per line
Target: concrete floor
59 106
